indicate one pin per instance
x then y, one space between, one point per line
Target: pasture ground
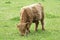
9 17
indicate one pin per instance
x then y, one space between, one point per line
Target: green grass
10 14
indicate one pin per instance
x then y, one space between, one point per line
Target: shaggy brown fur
31 14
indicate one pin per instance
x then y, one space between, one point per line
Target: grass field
9 17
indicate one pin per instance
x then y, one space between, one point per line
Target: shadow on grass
8 2
43 0
40 33
15 19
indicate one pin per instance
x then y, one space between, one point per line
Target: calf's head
22 28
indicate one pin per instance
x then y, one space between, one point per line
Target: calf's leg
42 23
36 25
28 26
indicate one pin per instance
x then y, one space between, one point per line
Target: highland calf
31 14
